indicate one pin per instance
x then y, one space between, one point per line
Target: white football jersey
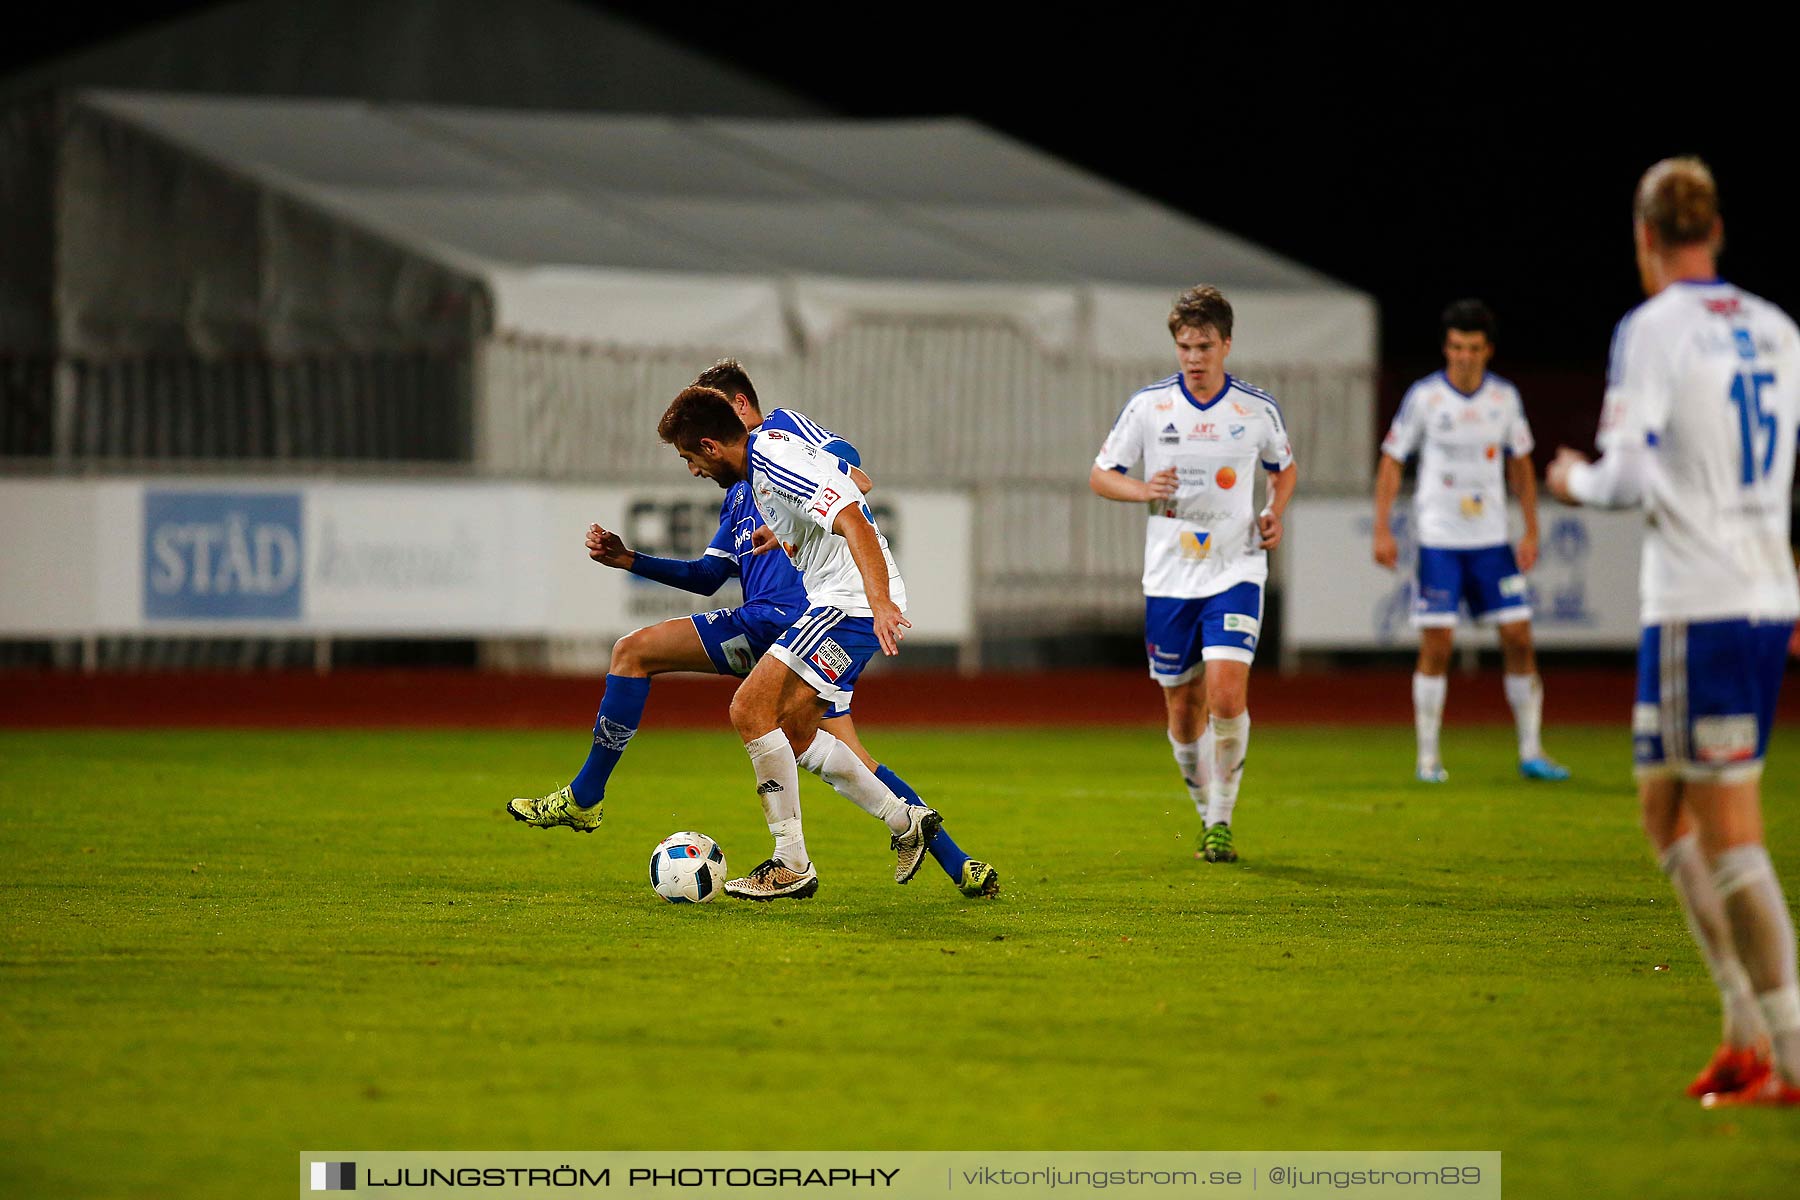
1202 540
1708 377
799 490
1463 442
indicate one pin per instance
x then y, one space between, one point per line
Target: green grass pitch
221 948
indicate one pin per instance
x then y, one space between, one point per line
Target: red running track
470 699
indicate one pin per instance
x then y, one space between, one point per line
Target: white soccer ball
687 868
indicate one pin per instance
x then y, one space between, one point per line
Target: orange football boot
1732 1068
1770 1091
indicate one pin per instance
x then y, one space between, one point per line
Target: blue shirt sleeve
703 576
844 450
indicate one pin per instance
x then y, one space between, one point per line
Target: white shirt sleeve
1124 445
1519 442
1404 435
1276 451
1637 387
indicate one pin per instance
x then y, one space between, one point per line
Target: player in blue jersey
856 608
726 641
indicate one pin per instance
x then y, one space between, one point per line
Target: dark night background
1421 156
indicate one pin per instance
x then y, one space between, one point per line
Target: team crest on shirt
1236 431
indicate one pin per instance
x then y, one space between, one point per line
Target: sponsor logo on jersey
1239 409
1236 431
1722 306
1204 431
1725 739
1169 435
1513 585
831 659
1446 422
1472 506
1226 478
776 435
791 549
1746 345
1195 545
1165 404
1491 453
827 498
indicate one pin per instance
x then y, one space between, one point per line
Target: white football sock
1194 759
1526 695
1428 714
1764 933
1231 742
838 765
1711 930
778 787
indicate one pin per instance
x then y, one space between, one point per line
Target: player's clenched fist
605 546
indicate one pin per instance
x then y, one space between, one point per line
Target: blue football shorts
1485 578
735 638
829 648
1181 633
1706 694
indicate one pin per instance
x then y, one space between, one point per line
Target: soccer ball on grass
687 868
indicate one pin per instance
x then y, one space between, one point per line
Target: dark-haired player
855 607
1468 428
726 641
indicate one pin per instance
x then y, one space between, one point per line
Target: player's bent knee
627 657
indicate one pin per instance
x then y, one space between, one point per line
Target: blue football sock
948 854
621 709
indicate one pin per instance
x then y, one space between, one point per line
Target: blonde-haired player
1702 400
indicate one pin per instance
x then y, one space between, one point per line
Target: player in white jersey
1468 428
1702 402
1201 435
856 605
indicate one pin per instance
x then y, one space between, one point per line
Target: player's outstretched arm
1111 485
1281 490
871 564
1616 480
702 576
1387 490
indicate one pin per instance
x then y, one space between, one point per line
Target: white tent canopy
665 233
